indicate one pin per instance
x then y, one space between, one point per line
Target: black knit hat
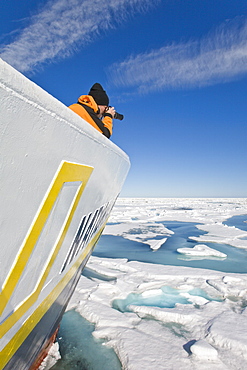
99 94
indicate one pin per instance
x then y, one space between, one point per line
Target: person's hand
112 111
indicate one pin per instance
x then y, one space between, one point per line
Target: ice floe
220 233
145 232
203 350
201 250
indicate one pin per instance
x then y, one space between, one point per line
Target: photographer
94 108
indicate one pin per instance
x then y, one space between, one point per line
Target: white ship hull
59 180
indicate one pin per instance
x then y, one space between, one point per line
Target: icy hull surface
170 316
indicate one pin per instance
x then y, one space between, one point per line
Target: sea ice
152 293
210 332
52 357
139 219
160 342
201 250
229 331
144 232
155 244
204 350
219 233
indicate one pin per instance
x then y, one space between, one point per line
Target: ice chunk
231 280
52 357
228 331
195 299
204 351
155 244
152 292
201 250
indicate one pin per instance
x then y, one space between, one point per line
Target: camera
117 115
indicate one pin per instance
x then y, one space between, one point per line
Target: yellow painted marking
68 172
37 315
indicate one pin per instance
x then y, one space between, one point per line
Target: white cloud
217 58
62 25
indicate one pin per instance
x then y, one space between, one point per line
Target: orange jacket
87 109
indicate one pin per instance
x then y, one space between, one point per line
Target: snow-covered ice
219 233
201 250
136 218
159 337
169 317
202 349
140 231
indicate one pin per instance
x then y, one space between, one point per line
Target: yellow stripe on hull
32 321
68 172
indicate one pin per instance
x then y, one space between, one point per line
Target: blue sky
176 69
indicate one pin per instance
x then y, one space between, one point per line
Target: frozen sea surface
120 247
157 308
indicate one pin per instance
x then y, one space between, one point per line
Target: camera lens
118 116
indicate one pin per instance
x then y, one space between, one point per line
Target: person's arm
108 124
107 120
104 126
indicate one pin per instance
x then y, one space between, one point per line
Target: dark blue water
238 221
118 247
